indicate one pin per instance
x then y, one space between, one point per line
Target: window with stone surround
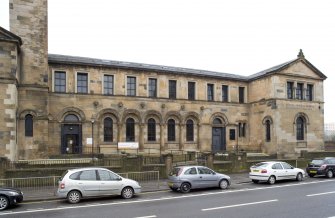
241 97
290 90
108 129
172 89
82 83
151 130
191 90
241 129
300 125
171 130
131 86
267 131
189 131
299 91
309 92
28 124
224 93
152 88
130 130
60 81
108 84
210 92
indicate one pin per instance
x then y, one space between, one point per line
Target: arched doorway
218 135
71 135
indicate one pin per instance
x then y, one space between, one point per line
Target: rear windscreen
175 171
260 165
318 162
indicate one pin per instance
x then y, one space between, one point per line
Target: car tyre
299 177
73 197
223 184
4 202
255 181
127 192
272 180
329 174
185 187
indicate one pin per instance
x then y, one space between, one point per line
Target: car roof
88 168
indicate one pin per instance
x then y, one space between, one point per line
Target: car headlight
13 193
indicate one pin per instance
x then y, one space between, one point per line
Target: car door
87 183
278 171
289 171
191 175
208 178
110 183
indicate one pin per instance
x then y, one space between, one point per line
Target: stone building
57 104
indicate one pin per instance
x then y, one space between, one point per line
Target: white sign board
89 141
127 145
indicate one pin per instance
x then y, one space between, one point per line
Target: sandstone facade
66 98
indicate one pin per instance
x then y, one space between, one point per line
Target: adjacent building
58 104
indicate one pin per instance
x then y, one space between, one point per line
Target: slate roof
74 60
9 36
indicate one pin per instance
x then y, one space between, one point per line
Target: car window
286 165
260 165
203 170
191 171
88 175
331 161
75 176
317 162
277 166
107 175
175 171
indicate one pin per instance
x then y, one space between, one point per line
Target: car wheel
73 197
299 177
329 174
223 184
4 203
127 192
255 181
185 187
272 180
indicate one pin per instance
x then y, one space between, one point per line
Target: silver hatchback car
185 178
88 182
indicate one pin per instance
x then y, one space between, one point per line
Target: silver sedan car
185 178
88 182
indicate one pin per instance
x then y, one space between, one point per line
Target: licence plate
170 184
255 171
312 171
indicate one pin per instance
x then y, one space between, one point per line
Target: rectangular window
210 92
225 93
299 91
290 90
241 94
309 92
82 83
108 84
153 88
131 86
172 89
232 134
191 90
60 81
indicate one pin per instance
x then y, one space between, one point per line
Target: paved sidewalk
47 193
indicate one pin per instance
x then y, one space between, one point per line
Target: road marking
152 216
166 198
324 193
239 205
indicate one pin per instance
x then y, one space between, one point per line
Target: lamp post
92 122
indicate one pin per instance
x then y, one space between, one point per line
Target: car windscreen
317 162
260 165
175 171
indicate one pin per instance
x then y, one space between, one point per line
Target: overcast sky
239 37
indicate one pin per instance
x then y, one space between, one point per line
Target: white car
274 170
89 182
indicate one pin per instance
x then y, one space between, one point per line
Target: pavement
48 193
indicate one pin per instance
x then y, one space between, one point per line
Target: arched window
189 130
28 124
108 129
71 118
217 121
300 128
130 130
151 129
267 130
171 130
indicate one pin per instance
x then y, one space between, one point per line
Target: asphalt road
313 197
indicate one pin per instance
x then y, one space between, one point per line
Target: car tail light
323 167
62 185
264 171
